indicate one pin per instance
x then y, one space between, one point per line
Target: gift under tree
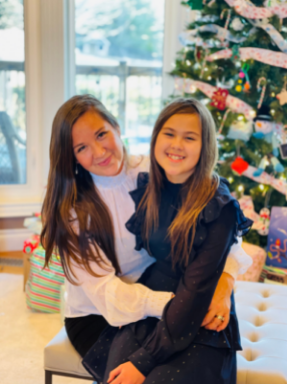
234 59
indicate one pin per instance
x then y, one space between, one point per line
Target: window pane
119 47
12 94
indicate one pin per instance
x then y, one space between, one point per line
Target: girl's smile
178 146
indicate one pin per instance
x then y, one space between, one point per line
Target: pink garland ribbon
251 12
235 104
277 59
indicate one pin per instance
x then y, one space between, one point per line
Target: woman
186 212
85 210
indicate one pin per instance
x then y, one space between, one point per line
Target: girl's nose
177 143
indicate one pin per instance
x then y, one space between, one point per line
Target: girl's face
178 146
97 145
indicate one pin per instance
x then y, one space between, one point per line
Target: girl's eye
189 138
169 134
102 134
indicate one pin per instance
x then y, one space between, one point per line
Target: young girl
185 211
85 210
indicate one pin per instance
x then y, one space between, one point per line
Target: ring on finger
220 317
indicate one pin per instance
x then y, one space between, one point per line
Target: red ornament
219 99
239 165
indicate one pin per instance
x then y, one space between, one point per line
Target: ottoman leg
48 377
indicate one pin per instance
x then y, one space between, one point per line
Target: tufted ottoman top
262 314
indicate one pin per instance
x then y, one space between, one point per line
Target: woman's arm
184 314
119 302
238 261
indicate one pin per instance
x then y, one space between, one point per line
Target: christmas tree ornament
227 20
261 168
262 122
235 53
219 99
278 167
240 130
261 81
223 121
283 146
239 165
236 24
195 5
265 221
282 96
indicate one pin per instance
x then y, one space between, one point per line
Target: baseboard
13 239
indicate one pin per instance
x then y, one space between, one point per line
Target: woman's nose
98 150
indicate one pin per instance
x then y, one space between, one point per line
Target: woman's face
97 145
178 146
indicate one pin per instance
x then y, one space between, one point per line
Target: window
119 59
12 94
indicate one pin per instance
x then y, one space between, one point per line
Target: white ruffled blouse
113 296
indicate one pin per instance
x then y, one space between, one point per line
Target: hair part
197 190
68 192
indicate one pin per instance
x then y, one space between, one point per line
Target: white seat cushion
262 314
60 356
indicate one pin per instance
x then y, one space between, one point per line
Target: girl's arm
184 314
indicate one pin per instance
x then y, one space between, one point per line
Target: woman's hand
220 305
126 374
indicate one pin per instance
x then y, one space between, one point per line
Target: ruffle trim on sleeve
210 213
135 223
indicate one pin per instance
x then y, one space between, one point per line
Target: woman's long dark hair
198 190
68 192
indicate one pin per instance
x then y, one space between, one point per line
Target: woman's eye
81 149
169 134
189 138
102 134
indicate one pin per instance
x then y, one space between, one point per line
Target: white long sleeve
116 300
238 260
109 295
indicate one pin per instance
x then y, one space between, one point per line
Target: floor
24 333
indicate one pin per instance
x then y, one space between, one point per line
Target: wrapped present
272 275
258 256
44 285
31 244
277 238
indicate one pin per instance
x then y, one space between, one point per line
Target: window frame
50 74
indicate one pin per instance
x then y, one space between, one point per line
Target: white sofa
262 314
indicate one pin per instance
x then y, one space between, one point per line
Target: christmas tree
235 60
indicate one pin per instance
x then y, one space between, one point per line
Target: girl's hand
126 374
220 304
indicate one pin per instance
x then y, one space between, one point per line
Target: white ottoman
262 314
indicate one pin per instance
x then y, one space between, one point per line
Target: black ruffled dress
176 348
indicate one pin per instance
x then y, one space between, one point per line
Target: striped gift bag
44 285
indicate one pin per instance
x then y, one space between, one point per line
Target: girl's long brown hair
197 190
67 191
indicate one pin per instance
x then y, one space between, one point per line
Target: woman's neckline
110 181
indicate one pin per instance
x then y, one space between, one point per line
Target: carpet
23 336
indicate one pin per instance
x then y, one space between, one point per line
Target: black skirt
84 331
